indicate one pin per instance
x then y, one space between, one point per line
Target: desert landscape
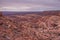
30 26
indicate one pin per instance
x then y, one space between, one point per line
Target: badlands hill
30 26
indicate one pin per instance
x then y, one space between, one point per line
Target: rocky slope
30 27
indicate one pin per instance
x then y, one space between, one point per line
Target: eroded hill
30 27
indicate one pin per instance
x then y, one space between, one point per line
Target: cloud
29 5
12 8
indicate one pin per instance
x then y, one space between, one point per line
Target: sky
29 5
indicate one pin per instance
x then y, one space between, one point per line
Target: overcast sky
29 5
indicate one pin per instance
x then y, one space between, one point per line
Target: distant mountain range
55 12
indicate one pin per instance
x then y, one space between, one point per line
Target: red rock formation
30 27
